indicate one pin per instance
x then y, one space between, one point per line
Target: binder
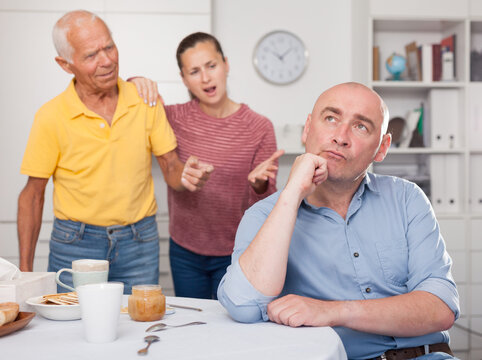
452 182
445 118
445 192
437 182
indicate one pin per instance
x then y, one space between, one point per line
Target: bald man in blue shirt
345 248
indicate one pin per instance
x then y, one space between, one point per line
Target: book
436 62
475 65
417 133
412 119
448 57
447 65
376 63
413 62
426 57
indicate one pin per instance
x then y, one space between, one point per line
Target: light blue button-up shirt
389 244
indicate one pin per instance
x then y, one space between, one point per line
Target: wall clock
280 57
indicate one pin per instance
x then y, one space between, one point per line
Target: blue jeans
194 275
132 250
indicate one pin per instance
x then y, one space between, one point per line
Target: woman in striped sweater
241 146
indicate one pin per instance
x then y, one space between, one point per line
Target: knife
184 307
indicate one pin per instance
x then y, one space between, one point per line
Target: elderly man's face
95 61
345 129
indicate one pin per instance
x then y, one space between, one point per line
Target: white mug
85 271
100 306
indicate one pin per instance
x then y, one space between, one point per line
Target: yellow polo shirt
101 173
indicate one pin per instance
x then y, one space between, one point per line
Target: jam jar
147 303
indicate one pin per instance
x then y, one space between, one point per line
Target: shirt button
102 125
356 254
368 290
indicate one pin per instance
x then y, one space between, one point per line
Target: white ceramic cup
85 271
100 306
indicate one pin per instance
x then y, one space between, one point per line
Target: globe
395 65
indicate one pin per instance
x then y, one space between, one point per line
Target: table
220 338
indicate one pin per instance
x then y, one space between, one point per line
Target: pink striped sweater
205 222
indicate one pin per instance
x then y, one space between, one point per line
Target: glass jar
147 303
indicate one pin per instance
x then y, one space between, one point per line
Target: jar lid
147 287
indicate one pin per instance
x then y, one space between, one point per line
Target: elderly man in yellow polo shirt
96 139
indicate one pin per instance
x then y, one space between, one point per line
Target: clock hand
285 53
277 55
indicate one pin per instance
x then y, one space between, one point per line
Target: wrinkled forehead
90 39
88 27
352 98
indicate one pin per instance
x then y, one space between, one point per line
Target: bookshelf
449 170
391 35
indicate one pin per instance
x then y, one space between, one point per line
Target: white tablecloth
220 338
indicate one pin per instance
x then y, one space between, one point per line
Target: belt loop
134 231
81 230
426 349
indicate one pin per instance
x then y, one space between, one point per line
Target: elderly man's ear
64 64
306 129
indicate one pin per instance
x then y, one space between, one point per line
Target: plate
54 312
170 310
23 318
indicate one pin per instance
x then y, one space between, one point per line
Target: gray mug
85 271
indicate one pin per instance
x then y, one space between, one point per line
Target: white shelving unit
451 175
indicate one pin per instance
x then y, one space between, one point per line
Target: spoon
162 326
149 340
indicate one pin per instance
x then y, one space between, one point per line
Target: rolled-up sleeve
242 301
429 263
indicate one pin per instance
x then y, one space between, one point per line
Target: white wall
323 25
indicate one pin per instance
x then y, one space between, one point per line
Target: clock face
280 57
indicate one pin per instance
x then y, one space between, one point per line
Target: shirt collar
371 182
127 97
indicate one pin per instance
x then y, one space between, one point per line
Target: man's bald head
383 107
